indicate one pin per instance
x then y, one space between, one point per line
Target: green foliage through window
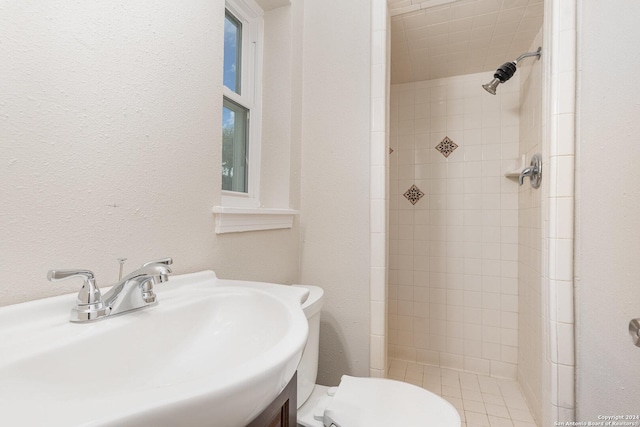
235 120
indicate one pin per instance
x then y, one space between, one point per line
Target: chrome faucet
131 293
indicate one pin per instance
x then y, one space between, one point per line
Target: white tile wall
530 237
558 400
453 294
379 188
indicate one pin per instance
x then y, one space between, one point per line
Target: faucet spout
147 271
136 289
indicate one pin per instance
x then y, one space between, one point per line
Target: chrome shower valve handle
534 172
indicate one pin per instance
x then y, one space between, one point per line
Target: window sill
237 220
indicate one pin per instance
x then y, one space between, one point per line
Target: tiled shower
480 278
459 223
453 253
454 236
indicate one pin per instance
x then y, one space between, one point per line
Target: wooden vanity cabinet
282 412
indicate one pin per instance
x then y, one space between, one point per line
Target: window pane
232 52
234 146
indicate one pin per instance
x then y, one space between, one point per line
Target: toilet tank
308 366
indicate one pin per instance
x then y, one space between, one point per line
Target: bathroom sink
211 353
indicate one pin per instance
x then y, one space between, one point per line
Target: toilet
361 402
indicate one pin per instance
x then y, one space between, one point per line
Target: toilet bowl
360 402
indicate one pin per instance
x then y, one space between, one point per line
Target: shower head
492 86
506 71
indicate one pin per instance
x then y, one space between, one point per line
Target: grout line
464 390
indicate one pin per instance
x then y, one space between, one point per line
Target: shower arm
528 54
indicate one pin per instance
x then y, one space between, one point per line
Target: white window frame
251 16
241 212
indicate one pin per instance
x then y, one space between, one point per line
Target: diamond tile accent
413 194
390 150
446 146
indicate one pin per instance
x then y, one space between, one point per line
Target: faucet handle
165 261
56 275
89 304
89 294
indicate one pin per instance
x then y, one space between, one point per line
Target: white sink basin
211 353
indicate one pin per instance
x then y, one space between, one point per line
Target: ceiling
442 38
272 4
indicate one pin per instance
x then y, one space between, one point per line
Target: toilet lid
376 402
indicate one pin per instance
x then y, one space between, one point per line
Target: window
234 147
241 103
232 52
240 209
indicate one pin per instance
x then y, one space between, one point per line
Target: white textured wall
335 179
453 289
110 145
110 134
607 196
278 94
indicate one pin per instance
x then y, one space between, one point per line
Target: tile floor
480 400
